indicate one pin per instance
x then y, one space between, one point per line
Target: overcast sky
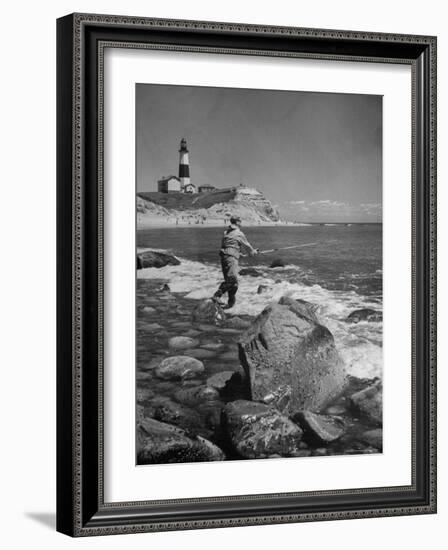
316 157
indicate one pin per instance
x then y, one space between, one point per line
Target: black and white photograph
259 274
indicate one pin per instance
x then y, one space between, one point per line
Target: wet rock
179 367
284 349
151 258
369 403
162 443
374 438
181 416
213 346
182 342
237 322
208 311
148 310
250 272
278 262
165 288
336 410
262 289
220 379
193 396
365 314
152 326
301 307
256 430
192 333
320 428
200 353
321 451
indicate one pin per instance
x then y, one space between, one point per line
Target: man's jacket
234 241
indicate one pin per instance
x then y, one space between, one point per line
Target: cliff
205 208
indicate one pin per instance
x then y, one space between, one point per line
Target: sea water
339 270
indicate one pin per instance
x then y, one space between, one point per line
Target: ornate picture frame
81 506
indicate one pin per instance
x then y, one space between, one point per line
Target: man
233 242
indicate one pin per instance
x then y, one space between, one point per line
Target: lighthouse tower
184 164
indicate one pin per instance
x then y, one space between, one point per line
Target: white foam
359 344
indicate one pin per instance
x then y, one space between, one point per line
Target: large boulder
256 430
162 443
290 360
208 311
151 258
368 403
365 314
301 307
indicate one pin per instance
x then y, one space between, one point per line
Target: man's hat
235 219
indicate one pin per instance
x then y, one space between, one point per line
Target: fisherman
233 242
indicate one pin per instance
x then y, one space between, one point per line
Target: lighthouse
184 165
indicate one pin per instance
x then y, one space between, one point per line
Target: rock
194 396
373 438
179 367
162 443
285 351
278 262
320 428
192 333
250 272
182 342
236 322
208 311
262 289
148 309
365 314
200 353
151 258
369 402
301 307
213 346
181 416
256 430
165 288
220 379
153 326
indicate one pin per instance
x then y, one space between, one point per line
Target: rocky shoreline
212 386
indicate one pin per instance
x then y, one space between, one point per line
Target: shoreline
160 223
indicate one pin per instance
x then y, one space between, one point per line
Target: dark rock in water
165 288
179 367
220 379
162 443
283 349
250 272
373 438
262 289
182 417
365 314
320 428
151 258
208 311
278 262
194 396
256 430
369 402
182 342
236 322
301 307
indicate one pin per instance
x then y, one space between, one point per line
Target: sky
316 156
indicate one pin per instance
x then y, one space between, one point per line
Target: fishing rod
285 248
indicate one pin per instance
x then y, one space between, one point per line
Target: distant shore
148 222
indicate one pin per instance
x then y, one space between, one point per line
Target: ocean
340 270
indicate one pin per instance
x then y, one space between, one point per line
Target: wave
359 344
